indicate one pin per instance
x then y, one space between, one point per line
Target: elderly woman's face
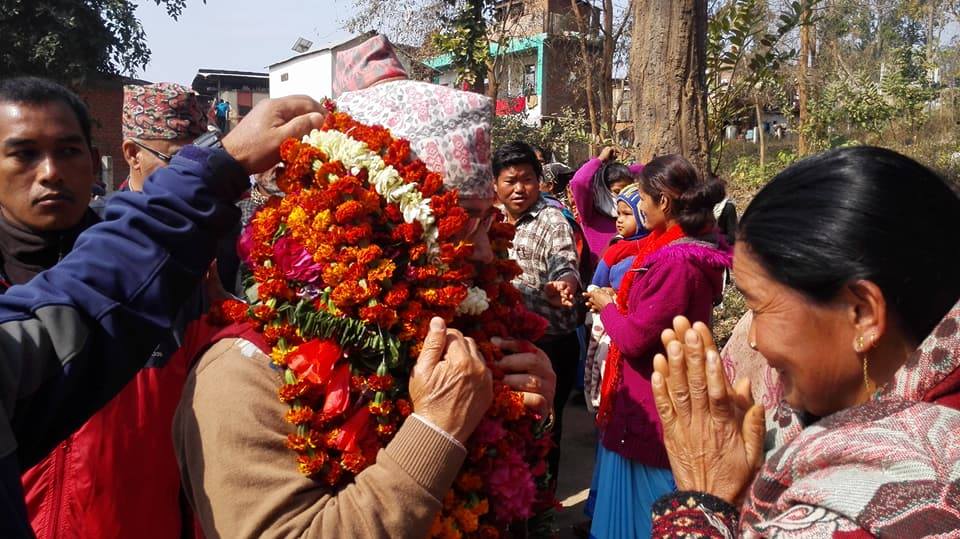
809 344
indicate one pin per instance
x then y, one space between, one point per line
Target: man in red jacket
117 475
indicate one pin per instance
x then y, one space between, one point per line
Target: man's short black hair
513 154
37 91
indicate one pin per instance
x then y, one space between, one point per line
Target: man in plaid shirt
544 247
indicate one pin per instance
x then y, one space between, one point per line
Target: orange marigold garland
348 268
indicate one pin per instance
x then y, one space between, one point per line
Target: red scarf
613 373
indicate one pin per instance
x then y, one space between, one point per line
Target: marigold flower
228 312
377 382
396 296
469 481
366 255
386 430
381 410
291 392
296 442
299 416
279 356
382 271
393 213
379 315
311 465
274 289
404 407
353 462
348 211
407 232
453 224
466 518
264 313
347 294
417 252
431 184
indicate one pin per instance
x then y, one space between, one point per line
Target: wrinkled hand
255 142
559 293
598 298
529 371
607 154
713 434
451 385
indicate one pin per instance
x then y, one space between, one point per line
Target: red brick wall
105 101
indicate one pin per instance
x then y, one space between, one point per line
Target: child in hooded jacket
614 264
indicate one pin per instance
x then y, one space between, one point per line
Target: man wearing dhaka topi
380 382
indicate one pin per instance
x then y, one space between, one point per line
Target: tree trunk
668 79
759 133
493 79
606 61
802 76
587 60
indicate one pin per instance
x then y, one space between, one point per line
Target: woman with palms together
847 266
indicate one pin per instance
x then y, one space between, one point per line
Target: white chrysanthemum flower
356 155
475 303
417 209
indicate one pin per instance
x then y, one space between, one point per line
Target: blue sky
245 35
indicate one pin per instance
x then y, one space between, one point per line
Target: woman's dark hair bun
692 197
704 195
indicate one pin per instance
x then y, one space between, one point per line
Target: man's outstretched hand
255 142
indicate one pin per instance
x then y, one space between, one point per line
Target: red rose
313 360
338 392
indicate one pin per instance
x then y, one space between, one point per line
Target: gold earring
753 345
866 375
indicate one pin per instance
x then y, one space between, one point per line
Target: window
530 79
284 77
512 9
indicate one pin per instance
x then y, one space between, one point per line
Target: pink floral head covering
361 66
449 130
162 111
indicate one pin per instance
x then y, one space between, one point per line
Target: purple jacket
683 278
598 228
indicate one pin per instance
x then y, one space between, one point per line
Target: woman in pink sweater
678 270
593 191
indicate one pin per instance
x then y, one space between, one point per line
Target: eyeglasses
156 153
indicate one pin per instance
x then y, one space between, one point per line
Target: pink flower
512 489
488 432
294 261
245 245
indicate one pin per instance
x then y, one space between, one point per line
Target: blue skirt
622 496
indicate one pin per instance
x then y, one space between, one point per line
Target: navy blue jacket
72 337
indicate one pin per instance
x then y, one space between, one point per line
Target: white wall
311 75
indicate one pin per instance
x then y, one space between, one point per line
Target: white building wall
311 75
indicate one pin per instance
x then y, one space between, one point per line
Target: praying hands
713 433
